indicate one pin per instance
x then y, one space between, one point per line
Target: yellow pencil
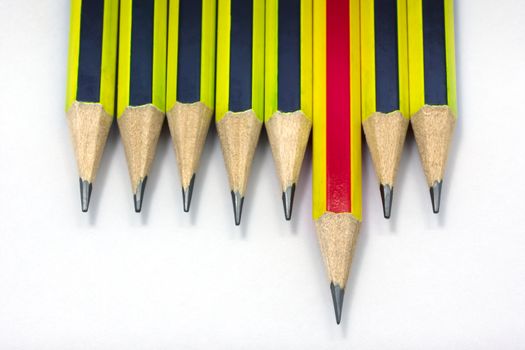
384 68
190 90
337 138
288 89
141 85
240 89
92 66
432 78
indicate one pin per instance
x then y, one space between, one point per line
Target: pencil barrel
384 57
92 57
337 108
432 73
142 54
240 57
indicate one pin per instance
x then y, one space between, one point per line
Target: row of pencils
337 65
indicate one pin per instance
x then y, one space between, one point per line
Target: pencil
190 90
240 89
432 77
92 65
141 86
384 67
288 89
337 138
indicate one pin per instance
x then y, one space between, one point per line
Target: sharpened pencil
141 86
432 78
288 89
240 90
337 138
384 67
92 66
190 90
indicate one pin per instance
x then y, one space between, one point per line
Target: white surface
113 279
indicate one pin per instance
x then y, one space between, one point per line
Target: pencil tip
186 195
238 201
435 195
387 193
288 197
85 194
139 194
338 294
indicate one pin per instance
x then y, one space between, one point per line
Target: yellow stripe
402 48
319 110
368 60
160 21
415 55
451 55
306 57
109 56
355 109
258 59
124 56
172 54
271 62
209 15
74 48
223 59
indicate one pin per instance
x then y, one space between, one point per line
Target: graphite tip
435 195
139 194
338 294
288 197
387 193
186 195
237 201
85 194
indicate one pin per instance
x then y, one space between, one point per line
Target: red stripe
338 106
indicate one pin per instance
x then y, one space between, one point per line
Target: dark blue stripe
434 52
289 56
90 51
240 98
141 69
189 55
387 76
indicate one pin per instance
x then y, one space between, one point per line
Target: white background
114 279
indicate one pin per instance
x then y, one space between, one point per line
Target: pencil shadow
401 179
163 147
255 177
353 280
301 188
449 174
456 138
212 142
105 166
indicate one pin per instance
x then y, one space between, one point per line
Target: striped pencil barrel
141 86
432 77
384 69
90 95
190 87
288 89
240 89
337 138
